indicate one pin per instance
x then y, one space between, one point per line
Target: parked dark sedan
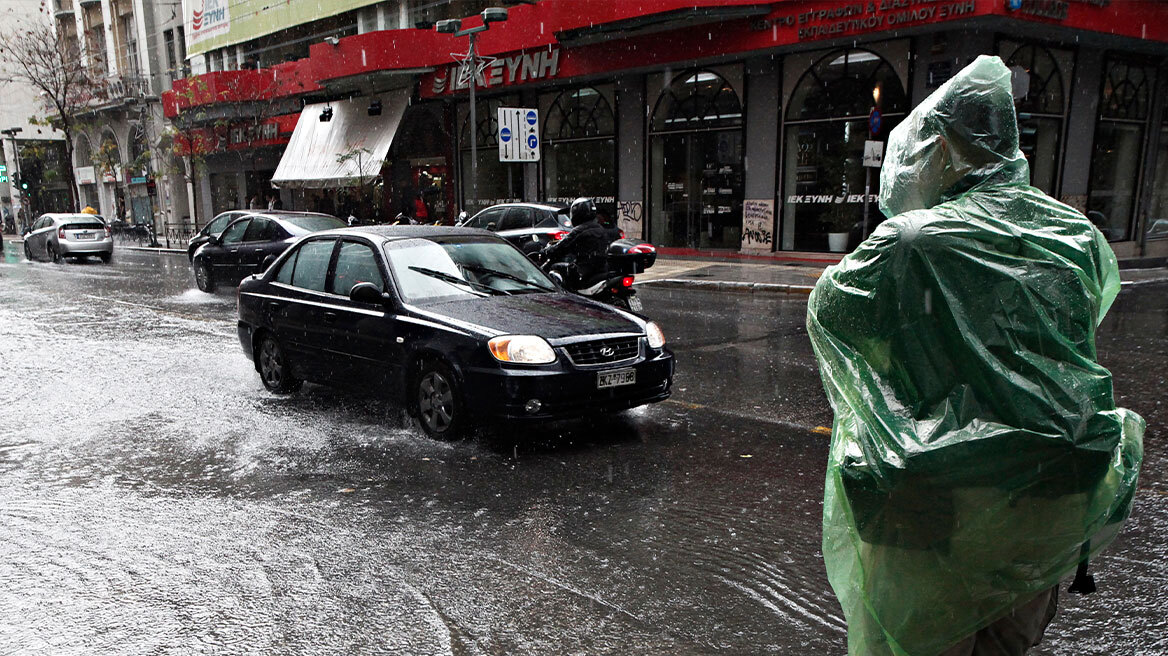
248 241
527 225
455 321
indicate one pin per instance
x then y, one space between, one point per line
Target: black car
527 225
457 322
213 229
247 242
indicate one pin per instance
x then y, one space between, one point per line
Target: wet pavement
155 499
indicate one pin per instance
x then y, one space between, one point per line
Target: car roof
538 206
395 232
73 215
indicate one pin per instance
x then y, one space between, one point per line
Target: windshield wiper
503 274
455 280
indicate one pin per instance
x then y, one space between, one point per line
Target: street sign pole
474 151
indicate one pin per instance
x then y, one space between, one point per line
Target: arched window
846 84
579 155
1119 138
1042 110
1045 89
579 114
832 112
696 163
700 99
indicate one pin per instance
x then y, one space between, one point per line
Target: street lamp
454 26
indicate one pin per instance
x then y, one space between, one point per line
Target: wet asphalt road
155 499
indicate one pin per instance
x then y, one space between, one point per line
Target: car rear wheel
438 402
273 365
203 277
106 257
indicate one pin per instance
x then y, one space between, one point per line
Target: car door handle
272 305
330 317
257 250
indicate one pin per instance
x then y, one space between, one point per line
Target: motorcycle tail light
622 234
559 234
627 281
643 248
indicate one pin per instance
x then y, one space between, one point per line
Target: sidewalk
752 277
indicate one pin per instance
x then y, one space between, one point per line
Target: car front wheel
53 255
203 277
27 252
437 402
273 366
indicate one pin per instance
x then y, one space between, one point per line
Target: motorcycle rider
586 245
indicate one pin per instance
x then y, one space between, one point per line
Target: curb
730 286
147 249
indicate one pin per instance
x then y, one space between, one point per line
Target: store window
579 154
827 122
1042 110
494 182
1158 206
1124 106
697 163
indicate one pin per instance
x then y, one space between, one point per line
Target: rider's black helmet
582 211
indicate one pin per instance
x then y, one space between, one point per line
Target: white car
56 236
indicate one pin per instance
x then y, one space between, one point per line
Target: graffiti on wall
758 220
629 218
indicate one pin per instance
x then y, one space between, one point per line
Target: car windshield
311 222
461 267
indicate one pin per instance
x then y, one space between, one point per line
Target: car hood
552 316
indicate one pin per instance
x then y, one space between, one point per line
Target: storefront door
702 204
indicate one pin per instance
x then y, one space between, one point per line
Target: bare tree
37 58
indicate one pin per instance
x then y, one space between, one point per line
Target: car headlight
656 337
522 349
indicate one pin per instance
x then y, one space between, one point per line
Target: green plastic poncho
976 447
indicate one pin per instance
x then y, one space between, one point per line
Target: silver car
56 236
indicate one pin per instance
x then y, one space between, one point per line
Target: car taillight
560 234
627 281
643 248
61 232
107 232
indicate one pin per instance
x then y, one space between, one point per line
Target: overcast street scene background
156 499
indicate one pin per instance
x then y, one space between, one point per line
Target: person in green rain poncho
977 456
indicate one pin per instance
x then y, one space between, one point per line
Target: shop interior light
326 114
375 107
876 94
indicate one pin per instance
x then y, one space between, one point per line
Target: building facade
722 125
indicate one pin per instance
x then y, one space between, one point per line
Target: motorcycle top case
631 255
977 454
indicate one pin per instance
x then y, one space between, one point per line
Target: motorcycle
625 258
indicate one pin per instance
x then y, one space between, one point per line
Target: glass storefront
827 122
1124 107
579 153
696 163
1157 222
1042 109
494 182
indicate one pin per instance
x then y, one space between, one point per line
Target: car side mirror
26 232
367 292
266 264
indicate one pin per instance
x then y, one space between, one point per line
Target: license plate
616 378
83 235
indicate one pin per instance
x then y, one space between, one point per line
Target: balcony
119 90
62 8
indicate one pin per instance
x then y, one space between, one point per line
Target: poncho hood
963 135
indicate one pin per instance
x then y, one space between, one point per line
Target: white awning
347 150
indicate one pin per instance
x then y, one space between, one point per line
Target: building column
763 104
631 112
1080 132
